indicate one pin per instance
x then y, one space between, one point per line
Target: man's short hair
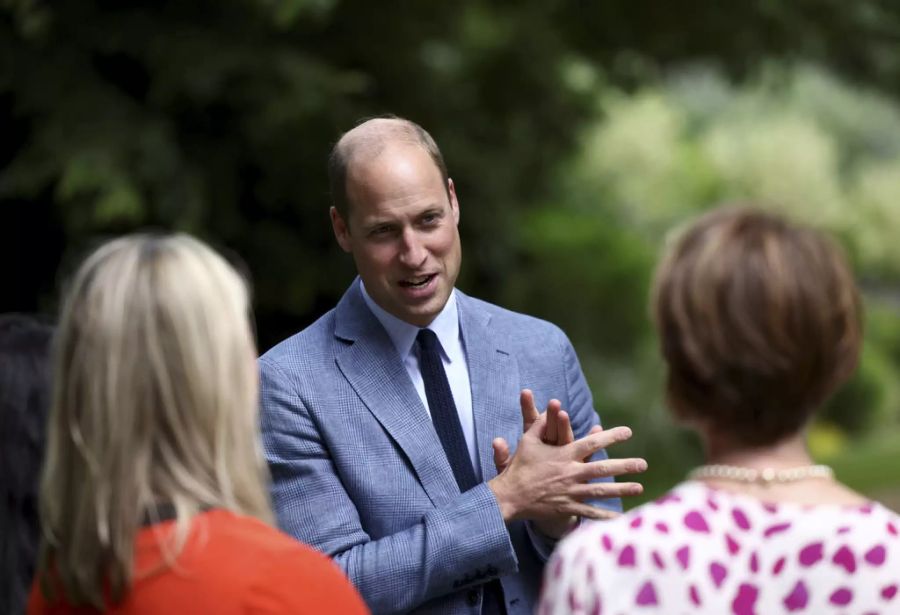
759 322
368 139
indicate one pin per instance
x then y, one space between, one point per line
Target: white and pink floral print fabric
700 550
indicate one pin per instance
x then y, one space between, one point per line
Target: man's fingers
586 511
501 454
564 434
537 426
594 429
590 444
612 467
529 410
601 491
551 433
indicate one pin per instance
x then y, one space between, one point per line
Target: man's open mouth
418 282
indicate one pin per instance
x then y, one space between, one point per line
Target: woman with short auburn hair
759 323
154 494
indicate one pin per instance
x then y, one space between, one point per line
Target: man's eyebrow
375 223
375 218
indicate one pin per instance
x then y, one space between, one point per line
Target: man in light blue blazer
436 489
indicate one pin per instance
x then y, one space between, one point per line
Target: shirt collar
445 326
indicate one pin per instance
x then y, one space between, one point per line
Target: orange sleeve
303 582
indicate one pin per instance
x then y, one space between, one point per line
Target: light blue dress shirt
453 354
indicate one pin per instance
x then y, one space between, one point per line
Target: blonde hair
155 403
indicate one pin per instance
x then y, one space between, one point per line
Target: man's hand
547 482
557 432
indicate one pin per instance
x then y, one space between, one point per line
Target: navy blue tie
446 423
443 410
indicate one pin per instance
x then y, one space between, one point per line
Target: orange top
231 564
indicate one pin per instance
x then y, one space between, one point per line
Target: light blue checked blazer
359 472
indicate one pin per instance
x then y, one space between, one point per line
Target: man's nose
413 252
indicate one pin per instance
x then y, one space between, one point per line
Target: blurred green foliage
216 117
794 139
577 133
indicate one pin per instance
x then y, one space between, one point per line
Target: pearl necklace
766 476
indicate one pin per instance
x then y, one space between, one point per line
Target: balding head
366 142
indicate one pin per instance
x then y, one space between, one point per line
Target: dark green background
216 118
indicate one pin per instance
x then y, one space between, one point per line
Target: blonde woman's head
155 402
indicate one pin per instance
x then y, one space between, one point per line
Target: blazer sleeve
580 406
464 542
582 413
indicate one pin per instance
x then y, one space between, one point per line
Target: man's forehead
396 166
403 186
385 159
396 179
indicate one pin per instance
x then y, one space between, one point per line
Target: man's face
402 232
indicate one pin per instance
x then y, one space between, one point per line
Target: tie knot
427 340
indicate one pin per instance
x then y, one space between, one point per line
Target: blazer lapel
494 377
375 371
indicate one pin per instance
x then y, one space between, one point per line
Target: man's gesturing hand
557 428
544 481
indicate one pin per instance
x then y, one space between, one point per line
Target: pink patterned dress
701 550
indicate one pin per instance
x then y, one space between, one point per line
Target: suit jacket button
472 597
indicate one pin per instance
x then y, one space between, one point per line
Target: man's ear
454 203
341 229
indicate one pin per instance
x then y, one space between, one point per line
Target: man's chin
420 315
421 318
